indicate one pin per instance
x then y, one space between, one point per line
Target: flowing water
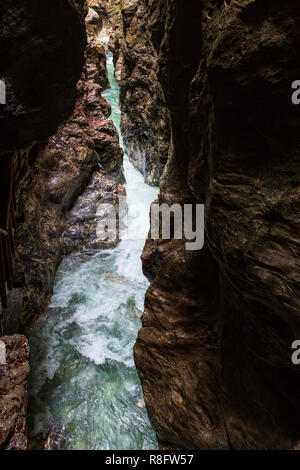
83 373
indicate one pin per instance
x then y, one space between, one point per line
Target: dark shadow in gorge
215 347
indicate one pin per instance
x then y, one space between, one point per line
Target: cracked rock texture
13 393
214 353
145 122
41 59
62 185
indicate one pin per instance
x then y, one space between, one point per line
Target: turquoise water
83 373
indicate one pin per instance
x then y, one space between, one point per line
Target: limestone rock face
95 51
60 181
145 120
41 58
214 353
58 194
13 393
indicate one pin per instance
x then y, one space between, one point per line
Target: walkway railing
10 166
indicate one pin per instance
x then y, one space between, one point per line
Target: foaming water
83 373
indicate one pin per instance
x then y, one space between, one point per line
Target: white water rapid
83 373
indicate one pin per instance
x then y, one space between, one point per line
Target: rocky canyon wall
145 120
41 49
62 183
214 352
58 196
41 59
54 68
13 393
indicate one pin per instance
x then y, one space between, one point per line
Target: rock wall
214 353
61 180
13 394
62 184
145 120
41 60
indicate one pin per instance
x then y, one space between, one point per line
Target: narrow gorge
137 343
83 374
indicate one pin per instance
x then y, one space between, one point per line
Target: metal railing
9 168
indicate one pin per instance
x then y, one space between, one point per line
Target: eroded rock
214 353
13 393
145 122
63 182
41 58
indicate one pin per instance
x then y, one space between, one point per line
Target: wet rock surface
214 353
42 55
145 120
62 186
95 52
13 393
42 46
57 439
61 181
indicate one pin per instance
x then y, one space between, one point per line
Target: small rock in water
141 403
119 279
57 439
136 312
